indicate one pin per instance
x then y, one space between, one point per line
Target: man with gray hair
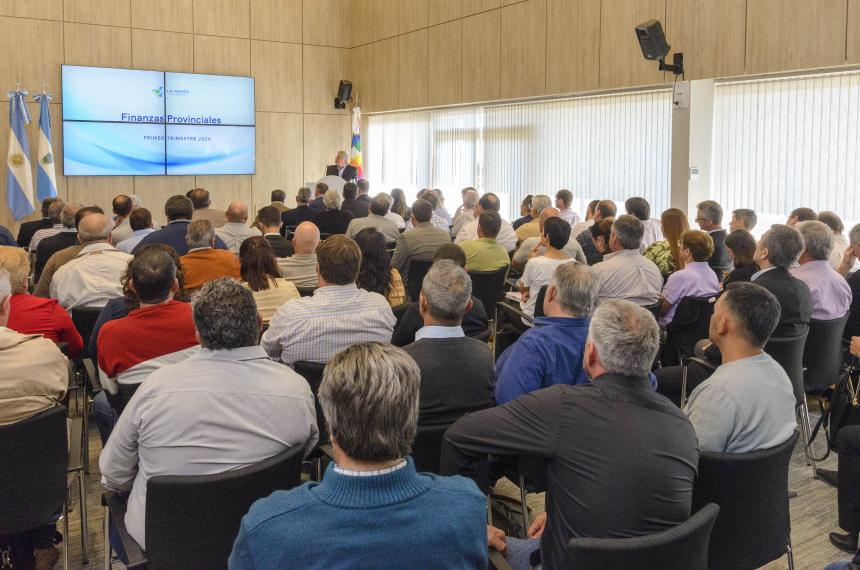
840 244
647 449
466 212
743 219
377 219
341 167
253 408
55 212
829 292
92 278
301 213
372 506
236 230
203 262
551 351
66 237
532 229
333 220
852 327
625 273
448 392
532 247
469 231
709 216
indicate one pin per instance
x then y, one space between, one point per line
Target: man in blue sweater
178 210
372 509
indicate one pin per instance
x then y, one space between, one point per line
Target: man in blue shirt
551 351
178 210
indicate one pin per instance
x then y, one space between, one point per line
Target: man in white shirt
641 209
748 403
580 227
301 267
507 237
840 242
466 212
140 221
92 278
563 200
376 219
338 315
625 273
527 249
55 213
254 408
236 230
539 270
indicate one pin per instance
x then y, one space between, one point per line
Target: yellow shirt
484 254
529 230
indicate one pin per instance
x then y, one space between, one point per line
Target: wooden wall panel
794 34
572 45
444 65
385 16
853 31
413 15
224 189
98 190
42 61
412 69
224 56
153 192
103 12
166 15
476 6
690 26
280 160
360 22
230 18
523 52
324 67
327 23
361 74
277 69
385 83
323 135
44 9
162 51
480 56
276 20
621 61
100 46
443 11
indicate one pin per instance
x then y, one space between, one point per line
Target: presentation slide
194 99
115 95
101 149
210 150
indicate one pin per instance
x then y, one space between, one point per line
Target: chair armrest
90 369
117 506
498 561
508 308
701 361
512 283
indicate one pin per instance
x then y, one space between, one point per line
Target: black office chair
508 326
489 286
33 479
192 521
751 490
416 272
541 296
85 319
822 356
427 448
689 325
682 547
313 373
654 310
306 291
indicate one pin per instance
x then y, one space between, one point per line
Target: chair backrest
539 302
822 356
683 546
192 521
415 277
788 352
751 490
313 373
427 448
489 286
306 291
85 319
34 454
689 325
654 309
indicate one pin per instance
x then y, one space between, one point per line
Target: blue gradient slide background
216 150
229 98
102 94
100 149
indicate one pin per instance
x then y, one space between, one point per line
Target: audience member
532 246
269 218
484 253
743 219
840 242
580 227
697 279
640 485
338 315
532 228
709 216
260 273
741 245
333 220
319 194
363 190
507 237
525 212
563 201
358 208
666 254
448 392
799 215
604 209
27 229
91 279
6 237
539 269
204 263
599 234
301 267
551 352
421 242
201 201
236 229
279 197
852 327
66 237
231 383
140 221
829 292
178 210
43 287
398 206
377 219
122 206
640 208
466 212
625 273
372 506
35 315
301 213
376 274
55 213
439 217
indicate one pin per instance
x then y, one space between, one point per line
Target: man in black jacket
359 208
341 167
301 213
709 216
27 229
67 237
269 218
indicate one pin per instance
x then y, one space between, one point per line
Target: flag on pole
46 177
355 150
19 176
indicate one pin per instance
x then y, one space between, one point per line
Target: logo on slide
178 92
159 92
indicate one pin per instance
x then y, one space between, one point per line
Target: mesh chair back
684 546
34 456
822 356
751 490
788 352
489 286
427 448
415 277
539 302
85 321
313 372
689 325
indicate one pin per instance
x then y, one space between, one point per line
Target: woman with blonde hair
666 254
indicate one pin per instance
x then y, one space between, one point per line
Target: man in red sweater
159 333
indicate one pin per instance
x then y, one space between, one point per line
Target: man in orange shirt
204 263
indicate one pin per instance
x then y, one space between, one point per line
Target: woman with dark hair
741 246
398 205
260 274
375 274
600 232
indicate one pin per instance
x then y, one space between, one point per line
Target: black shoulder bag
842 410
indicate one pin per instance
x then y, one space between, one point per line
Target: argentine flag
46 177
19 176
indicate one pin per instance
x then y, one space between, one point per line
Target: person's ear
551 294
590 355
469 305
423 305
174 287
131 285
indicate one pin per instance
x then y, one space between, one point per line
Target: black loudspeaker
344 94
652 40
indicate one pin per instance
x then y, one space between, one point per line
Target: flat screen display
133 122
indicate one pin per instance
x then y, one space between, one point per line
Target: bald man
92 278
236 230
531 247
301 267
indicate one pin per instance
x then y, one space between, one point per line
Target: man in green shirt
484 254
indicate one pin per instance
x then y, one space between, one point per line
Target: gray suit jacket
420 243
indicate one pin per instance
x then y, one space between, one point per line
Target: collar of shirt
630 382
272 234
232 354
335 289
69 230
57 227
96 247
715 231
622 253
351 473
178 222
198 249
813 266
436 331
568 322
761 272
142 232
